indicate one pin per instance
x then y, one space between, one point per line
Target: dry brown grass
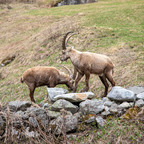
36 40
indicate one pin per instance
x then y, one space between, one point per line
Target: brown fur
44 76
86 63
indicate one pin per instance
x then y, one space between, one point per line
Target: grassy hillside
112 27
34 35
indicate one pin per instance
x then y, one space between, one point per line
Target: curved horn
69 38
69 71
65 39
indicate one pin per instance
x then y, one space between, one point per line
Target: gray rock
40 115
53 114
17 123
2 125
2 131
60 104
15 132
46 105
19 105
105 113
21 115
90 120
105 99
106 108
114 109
136 89
121 94
32 134
100 121
71 136
108 103
140 96
139 103
33 121
124 105
75 97
78 115
91 106
52 92
69 123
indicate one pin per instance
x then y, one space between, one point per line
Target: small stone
139 103
60 104
90 120
106 108
140 96
114 109
71 136
100 121
108 103
105 113
52 92
124 105
53 114
105 99
46 105
33 122
32 134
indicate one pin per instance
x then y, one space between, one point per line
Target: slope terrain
34 35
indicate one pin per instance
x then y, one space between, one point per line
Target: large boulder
19 105
52 92
136 89
60 104
75 97
68 123
121 94
92 106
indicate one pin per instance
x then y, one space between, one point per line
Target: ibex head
66 50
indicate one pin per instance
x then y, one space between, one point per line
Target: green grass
114 131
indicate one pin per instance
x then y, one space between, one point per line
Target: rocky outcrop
63 116
74 2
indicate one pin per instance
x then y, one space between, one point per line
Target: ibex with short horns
86 63
45 76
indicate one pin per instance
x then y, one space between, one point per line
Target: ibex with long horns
45 76
86 63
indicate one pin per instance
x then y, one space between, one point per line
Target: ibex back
45 76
